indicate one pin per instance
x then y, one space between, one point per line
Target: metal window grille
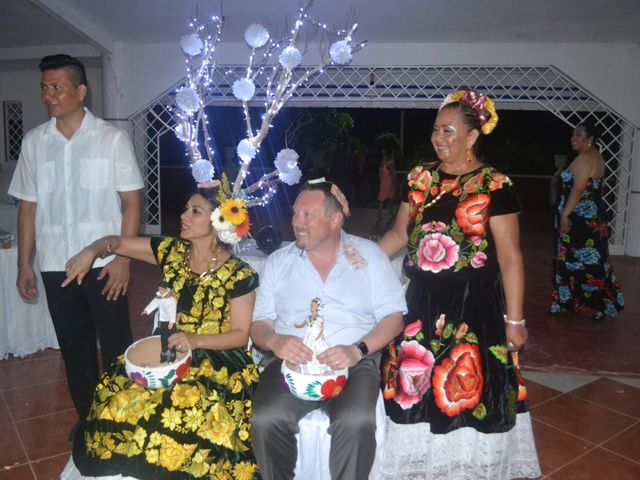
13 129
512 87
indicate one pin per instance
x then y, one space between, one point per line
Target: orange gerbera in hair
243 228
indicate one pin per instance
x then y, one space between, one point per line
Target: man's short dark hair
331 204
77 74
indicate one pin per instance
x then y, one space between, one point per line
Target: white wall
23 84
608 71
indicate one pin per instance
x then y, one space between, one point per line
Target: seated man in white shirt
363 304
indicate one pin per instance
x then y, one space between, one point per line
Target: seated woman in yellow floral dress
197 428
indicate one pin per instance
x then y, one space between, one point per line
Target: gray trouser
352 415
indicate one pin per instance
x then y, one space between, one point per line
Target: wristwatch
364 350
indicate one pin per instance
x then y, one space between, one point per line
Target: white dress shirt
359 292
75 183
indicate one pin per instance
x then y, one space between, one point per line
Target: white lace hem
71 472
412 452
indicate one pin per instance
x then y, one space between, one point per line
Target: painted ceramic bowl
314 387
142 362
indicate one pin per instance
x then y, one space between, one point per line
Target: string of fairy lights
278 63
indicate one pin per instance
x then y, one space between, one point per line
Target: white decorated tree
277 61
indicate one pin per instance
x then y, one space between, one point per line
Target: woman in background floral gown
583 278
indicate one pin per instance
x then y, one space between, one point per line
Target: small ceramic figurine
314 339
165 320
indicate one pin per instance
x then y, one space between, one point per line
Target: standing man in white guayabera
78 180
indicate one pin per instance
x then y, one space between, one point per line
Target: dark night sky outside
523 143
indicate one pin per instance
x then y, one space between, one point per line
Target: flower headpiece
274 62
483 106
230 219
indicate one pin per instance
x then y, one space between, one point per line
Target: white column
116 97
632 244
116 74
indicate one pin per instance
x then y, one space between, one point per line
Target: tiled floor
586 412
586 427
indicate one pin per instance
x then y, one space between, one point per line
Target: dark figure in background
583 278
450 380
387 189
78 180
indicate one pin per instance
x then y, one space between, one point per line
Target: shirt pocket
46 177
96 172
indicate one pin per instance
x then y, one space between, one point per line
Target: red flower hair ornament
481 104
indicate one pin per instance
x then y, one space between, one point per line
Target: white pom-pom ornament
245 150
256 35
290 58
290 177
286 159
188 99
191 44
202 170
243 89
340 52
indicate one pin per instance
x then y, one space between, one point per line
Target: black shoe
599 316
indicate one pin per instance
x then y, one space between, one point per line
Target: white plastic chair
314 444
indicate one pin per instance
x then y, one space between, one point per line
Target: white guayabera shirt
75 183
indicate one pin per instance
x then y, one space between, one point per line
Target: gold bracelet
107 252
518 323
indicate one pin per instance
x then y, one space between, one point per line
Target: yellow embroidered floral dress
197 428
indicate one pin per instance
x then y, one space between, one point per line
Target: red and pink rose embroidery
439 246
457 382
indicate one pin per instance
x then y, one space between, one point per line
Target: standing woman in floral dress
197 427
583 278
450 380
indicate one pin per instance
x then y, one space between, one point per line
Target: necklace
213 261
442 193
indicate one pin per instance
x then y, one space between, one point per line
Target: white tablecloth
248 251
25 327
8 216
